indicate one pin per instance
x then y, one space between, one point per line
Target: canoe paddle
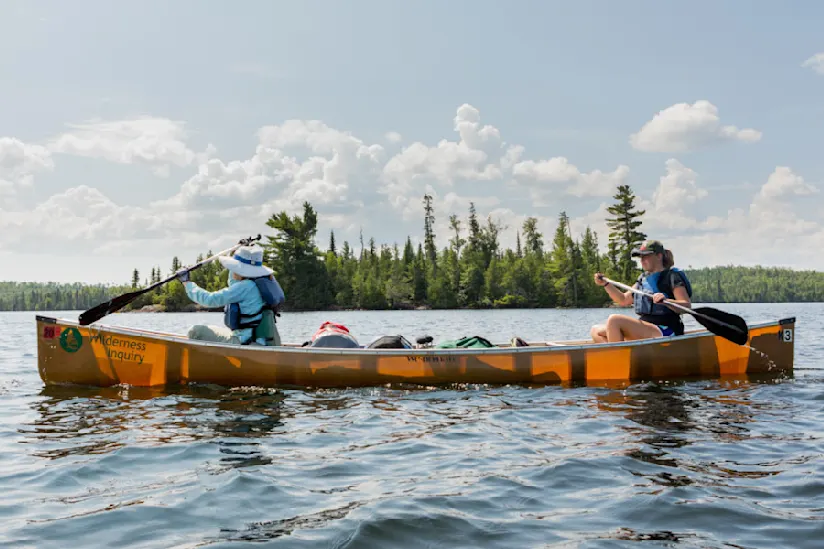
729 326
116 303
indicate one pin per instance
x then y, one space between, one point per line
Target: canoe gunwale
560 346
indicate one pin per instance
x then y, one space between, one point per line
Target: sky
133 132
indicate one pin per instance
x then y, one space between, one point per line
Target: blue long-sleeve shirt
244 292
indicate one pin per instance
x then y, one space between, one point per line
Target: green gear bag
267 329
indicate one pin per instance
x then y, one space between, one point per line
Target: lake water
704 464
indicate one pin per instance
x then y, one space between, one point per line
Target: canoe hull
105 356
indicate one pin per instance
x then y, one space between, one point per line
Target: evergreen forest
471 271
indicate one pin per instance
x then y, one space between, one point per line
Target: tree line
52 296
471 271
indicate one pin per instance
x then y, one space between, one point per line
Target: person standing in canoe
655 319
250 301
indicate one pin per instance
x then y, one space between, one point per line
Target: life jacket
659 313
263 320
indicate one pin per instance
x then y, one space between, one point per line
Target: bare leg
624 328
599 333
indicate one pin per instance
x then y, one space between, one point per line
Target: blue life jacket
272 295
659 313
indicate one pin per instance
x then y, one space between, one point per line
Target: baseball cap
649 247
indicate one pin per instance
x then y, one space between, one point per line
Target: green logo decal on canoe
71 340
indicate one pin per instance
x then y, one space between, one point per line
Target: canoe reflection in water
674 422
81 421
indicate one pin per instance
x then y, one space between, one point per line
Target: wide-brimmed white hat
247 261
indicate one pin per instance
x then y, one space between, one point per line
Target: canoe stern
68 353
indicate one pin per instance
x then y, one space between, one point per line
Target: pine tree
489 240
419 276
566 261
408 252
592 263
431 252
534 239
332 243
135 279
456 242
624 231
295 259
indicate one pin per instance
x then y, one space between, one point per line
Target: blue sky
130 133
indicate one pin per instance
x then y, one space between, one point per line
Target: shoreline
198 309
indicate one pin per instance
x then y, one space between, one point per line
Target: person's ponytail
669 260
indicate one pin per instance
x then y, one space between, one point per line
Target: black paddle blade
726 325
99 311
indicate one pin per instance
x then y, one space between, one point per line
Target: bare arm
681 298
623 299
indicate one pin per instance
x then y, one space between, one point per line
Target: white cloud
468 125
452 202
677 192
444 163
684 127
356 184
479 155
595 220
559 170
393 137
473 157
783 182
554 170
81 216
757 233
297 161
511 157
273 178
815 63
156 142
19 162
598 183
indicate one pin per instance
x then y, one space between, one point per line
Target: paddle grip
247 241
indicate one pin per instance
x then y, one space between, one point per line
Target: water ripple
704 464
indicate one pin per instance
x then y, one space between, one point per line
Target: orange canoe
100 355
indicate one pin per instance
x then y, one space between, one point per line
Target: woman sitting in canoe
250 301
655 319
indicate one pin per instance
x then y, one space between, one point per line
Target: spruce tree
430 250
624 235
534 239
332 247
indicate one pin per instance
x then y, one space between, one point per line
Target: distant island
472 272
